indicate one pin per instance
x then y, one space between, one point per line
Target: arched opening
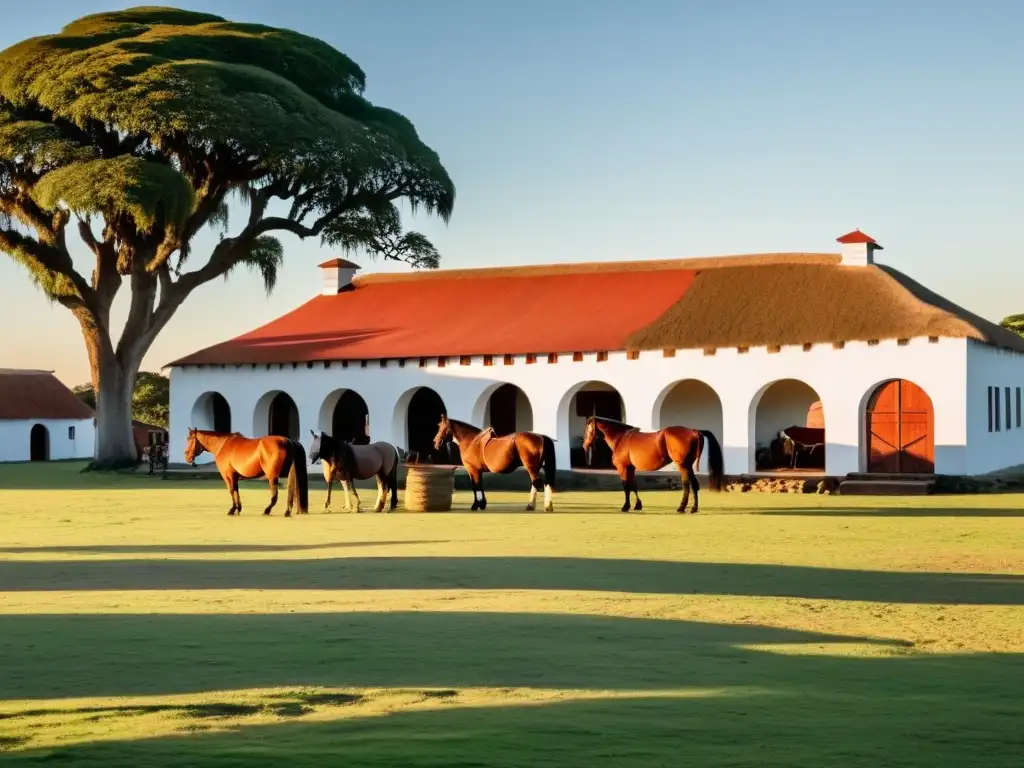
690 403
595 398
900 429
789 428
508 410
283 417
212 412
39 443
345 414
422 417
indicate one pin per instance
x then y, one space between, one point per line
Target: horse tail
716 465
393 479
297 476
700 450
548 459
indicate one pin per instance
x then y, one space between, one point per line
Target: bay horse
271 457
346 462
634 450
482 451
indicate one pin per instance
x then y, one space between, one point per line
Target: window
995 406
990 409
1008 425
1018 406
71 430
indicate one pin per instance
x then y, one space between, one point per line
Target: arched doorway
422 417
793 407
508 410
690 403
345 414
212 412
283 417
595 398
39 443
900 429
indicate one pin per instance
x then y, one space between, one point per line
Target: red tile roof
38 395
504 313
857 237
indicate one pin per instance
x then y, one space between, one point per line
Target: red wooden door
900 429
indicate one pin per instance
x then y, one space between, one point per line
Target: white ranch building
901 380
41 419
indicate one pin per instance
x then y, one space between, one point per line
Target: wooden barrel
429 488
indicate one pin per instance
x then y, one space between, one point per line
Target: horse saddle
496 450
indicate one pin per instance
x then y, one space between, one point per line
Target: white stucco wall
842 378
15 437
1001 369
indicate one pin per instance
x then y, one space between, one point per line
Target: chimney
338 274
858 249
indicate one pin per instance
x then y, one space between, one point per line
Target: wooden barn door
900 430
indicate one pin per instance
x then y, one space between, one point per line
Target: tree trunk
113 384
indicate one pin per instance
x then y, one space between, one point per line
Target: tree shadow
517 573
685 692
887 512
127 549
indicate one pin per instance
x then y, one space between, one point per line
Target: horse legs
686 475
627 486
272 479
548 505
532 503
329 477
636 491
350 485
474 480
378 505
696 493
231 481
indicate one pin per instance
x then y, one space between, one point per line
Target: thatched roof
739 301
811 302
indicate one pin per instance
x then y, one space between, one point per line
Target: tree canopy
135 128
1013 323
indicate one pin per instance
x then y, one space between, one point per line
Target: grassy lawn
141 626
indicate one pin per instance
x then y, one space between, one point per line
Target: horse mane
464 424
616 422
344 455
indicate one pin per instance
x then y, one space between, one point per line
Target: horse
634 450
483 451
271 457
801 440
346 462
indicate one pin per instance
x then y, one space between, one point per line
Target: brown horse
634 450
271 457
346 462
482 451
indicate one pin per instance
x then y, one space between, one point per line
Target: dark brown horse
271 457
634 450
482 451
347 462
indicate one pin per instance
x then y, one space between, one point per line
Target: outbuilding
41 419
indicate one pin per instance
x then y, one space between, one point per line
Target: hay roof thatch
734 301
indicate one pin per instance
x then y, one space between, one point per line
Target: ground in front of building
142 626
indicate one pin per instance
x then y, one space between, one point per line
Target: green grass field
141 626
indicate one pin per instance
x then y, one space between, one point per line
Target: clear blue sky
596 130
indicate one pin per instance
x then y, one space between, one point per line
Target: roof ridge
581 267
33 371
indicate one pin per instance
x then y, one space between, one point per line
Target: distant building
41 419
884 374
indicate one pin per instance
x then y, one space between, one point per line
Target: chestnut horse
482 451
634 450
271 457
346 462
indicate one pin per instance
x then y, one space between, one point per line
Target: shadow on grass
829 511
517 573
127 549
746 705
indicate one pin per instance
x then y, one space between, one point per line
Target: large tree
134 129
151 396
